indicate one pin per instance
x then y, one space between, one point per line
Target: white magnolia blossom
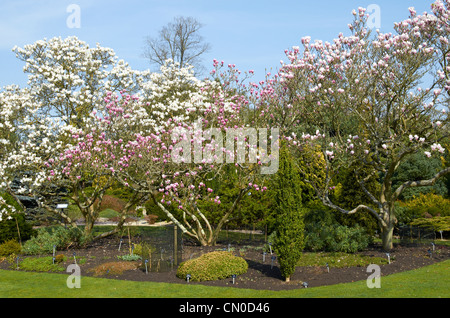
5 209
175 95
71 78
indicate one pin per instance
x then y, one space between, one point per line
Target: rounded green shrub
10 247
212 266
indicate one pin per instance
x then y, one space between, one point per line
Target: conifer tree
289 242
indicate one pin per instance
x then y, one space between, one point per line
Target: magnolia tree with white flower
369 100
70 79
176 95
10 102
171 94
27 136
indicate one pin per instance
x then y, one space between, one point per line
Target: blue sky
251 34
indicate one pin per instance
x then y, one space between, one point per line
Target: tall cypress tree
289 242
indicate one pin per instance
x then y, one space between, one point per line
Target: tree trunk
387 228
387 236
88 227
210 237
225 218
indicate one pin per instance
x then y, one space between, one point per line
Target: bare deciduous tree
180 41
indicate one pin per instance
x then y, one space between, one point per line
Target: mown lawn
428 282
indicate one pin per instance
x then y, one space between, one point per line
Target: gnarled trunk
204 233
387 223
387 237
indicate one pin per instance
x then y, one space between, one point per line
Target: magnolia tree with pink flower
179 164
40 124
85 169
169 143
49 155
369 99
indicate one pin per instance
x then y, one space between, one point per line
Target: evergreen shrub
323 233
59 237
212 266
10 247
8 228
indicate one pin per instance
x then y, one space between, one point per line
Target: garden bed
101 259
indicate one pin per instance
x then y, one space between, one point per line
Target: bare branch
327 202
421 183
180 41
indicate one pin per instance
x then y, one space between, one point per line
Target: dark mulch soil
260 275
